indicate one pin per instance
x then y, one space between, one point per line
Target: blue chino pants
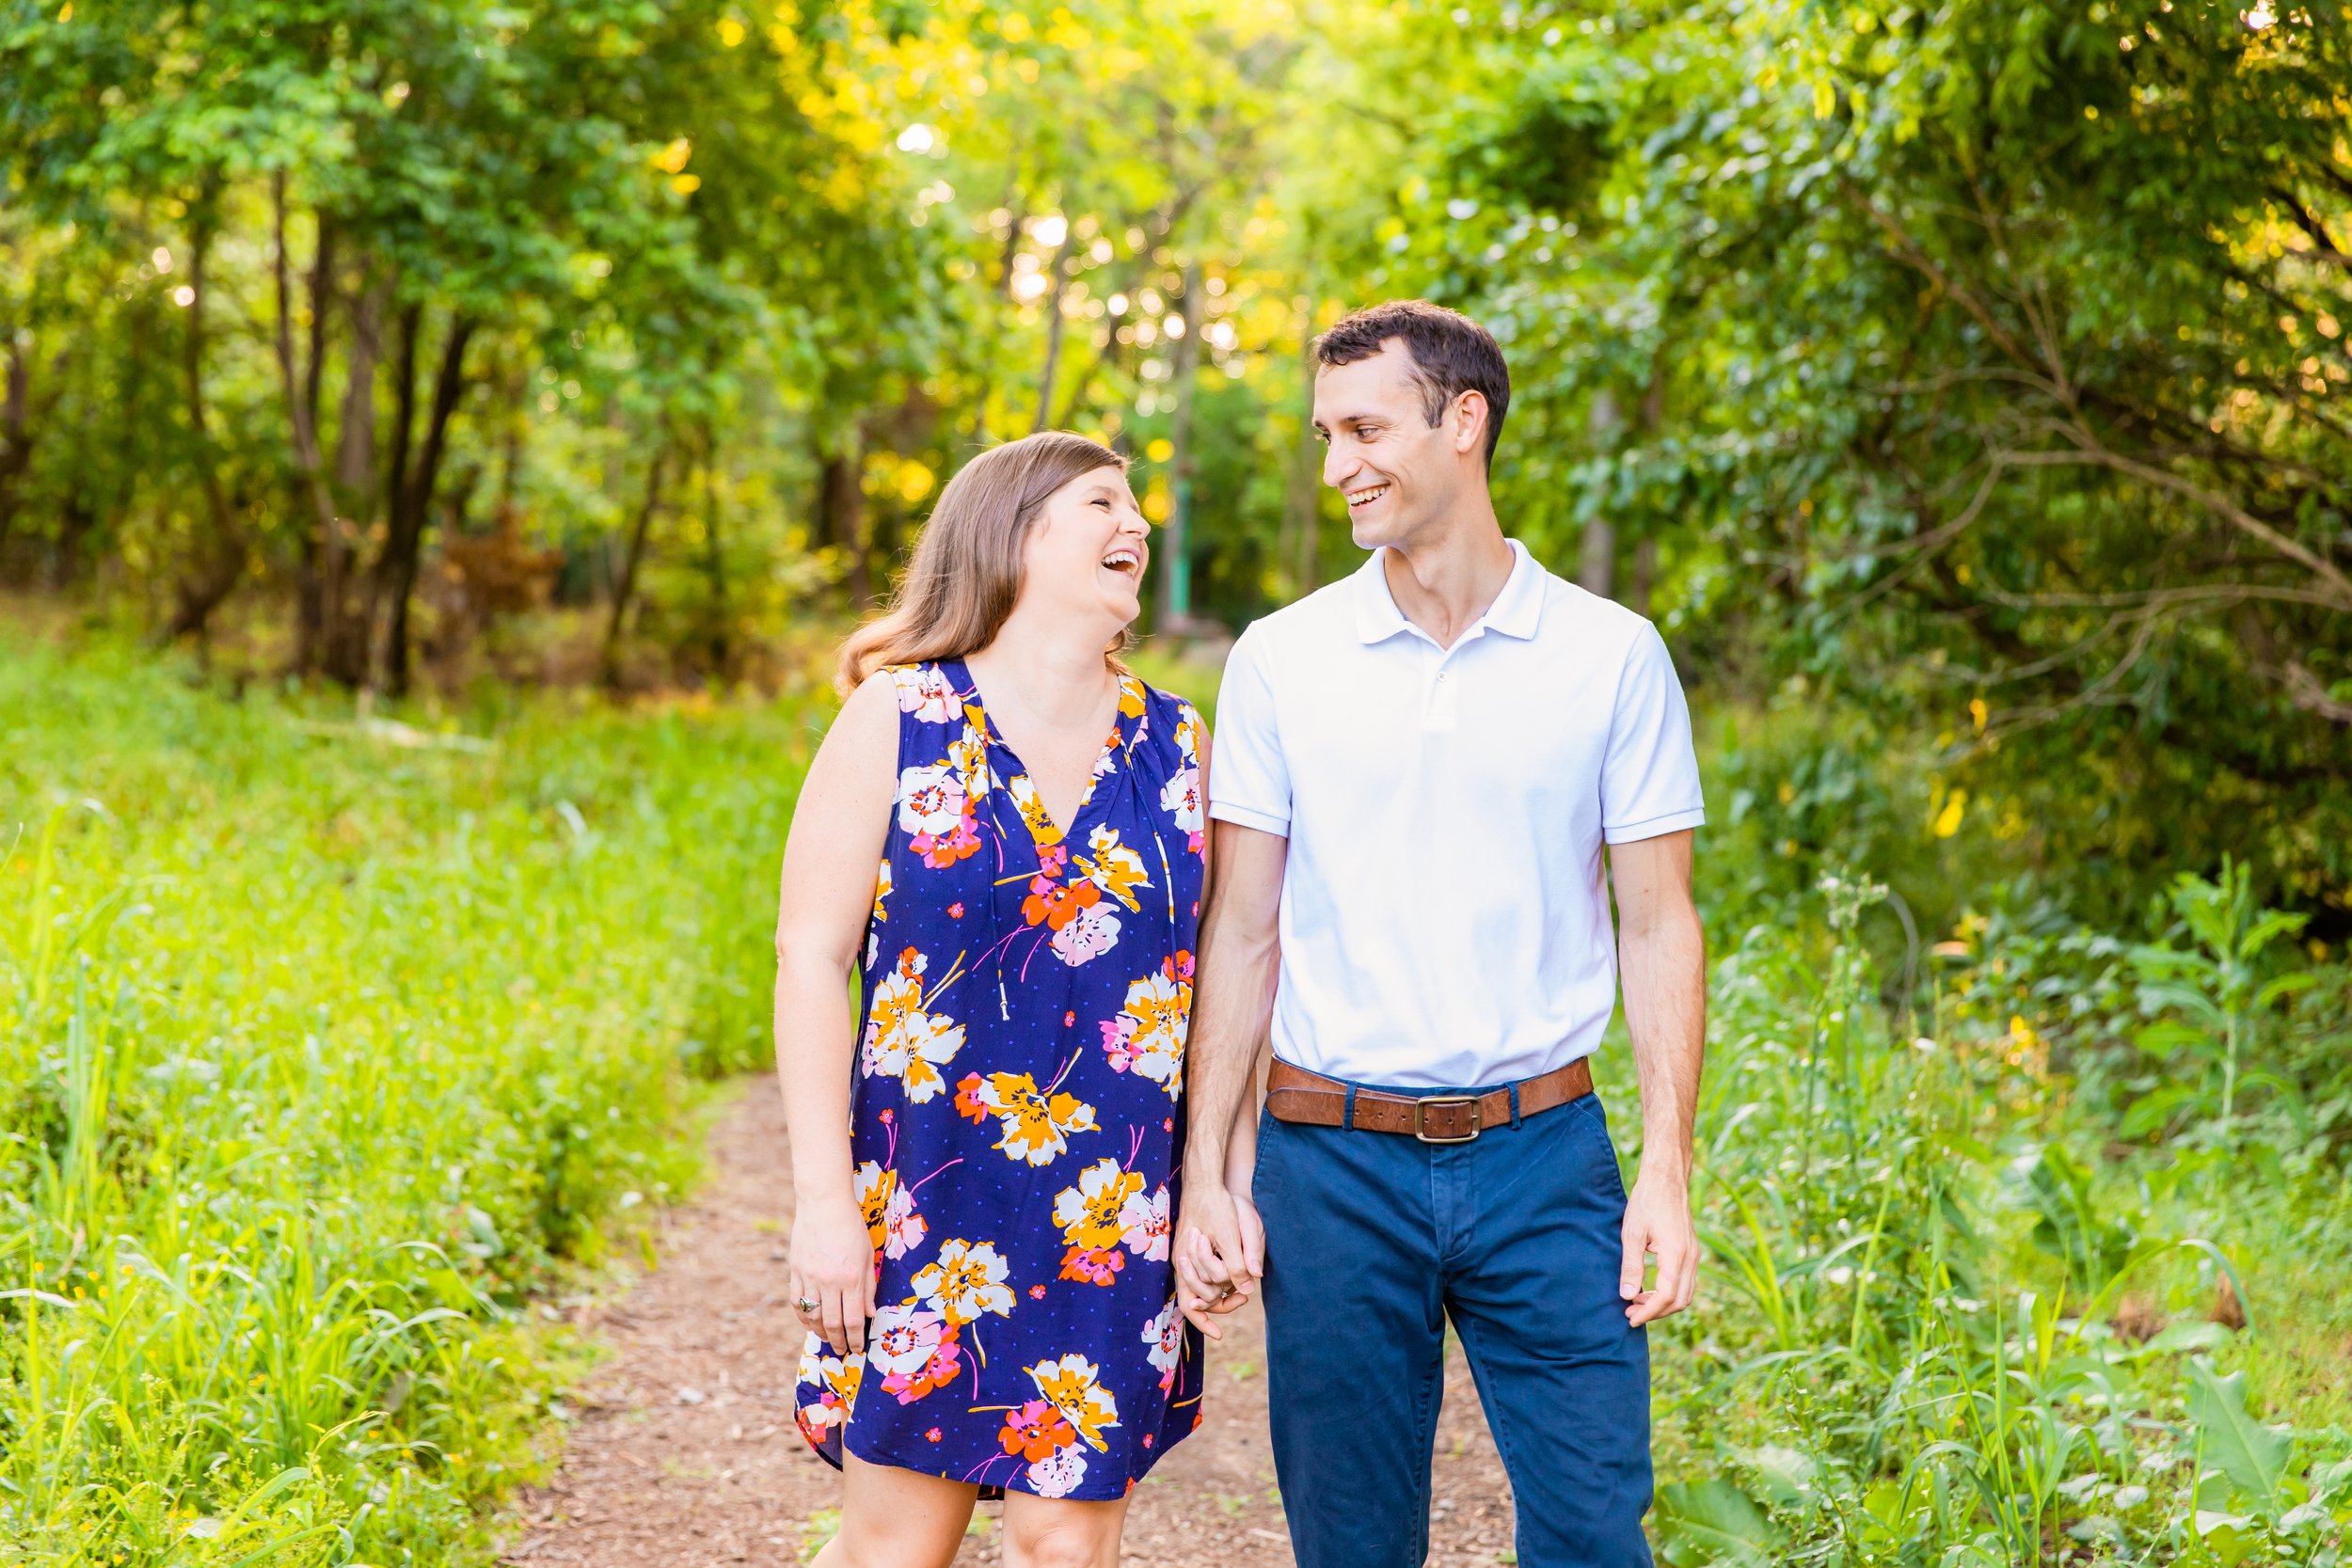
1373 1241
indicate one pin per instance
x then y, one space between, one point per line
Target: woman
984 1167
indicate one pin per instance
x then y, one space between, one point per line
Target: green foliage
1977 354
329 1049
2208 999
1917 1348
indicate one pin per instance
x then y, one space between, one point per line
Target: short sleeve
1250 782
1649 780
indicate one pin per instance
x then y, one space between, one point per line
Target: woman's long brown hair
965 575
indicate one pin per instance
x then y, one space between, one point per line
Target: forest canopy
1971 374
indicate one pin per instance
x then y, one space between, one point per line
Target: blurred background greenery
440 440
1965 379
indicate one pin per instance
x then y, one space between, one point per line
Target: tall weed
1917 1349
324 1050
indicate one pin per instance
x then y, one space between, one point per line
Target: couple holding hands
1151 1026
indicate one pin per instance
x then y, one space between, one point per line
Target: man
1416 772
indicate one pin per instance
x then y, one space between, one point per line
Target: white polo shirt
1444 920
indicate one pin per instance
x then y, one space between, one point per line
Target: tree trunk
1301 499
321 286
841 514
715 566
220 559
403 540
403 404
1053 332
65 554
625 587
16 439
1645 579
342 633
301 392
1597 562
1176 575
1644 576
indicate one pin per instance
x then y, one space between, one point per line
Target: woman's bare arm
840 829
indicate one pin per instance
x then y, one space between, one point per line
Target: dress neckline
1018 781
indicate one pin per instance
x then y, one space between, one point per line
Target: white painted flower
1091 1213
931 798
1072 1384
837 1376
1113 867
1090 933
1143 1225
1164 1338
903 1229
1032 808
1181 799
1037 1123
904 1040
882 914
968 755
965 1281
925 693
1152 1029
1058 1474
903 1339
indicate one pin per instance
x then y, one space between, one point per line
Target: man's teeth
1364 497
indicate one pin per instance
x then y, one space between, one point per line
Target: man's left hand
1658 1222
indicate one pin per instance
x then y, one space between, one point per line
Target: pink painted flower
1088 1266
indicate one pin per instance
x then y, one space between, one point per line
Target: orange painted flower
1056 903
1037 1431
968 1102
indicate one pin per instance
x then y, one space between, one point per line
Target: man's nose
1338 467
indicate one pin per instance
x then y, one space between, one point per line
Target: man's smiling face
1397 471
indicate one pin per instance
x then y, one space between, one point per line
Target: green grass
323 1057
331 1056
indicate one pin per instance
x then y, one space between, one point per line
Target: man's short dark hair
1450 352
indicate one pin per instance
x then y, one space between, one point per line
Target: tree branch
2088 453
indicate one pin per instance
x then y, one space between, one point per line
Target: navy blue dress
1017 1113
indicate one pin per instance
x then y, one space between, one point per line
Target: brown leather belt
1293 1094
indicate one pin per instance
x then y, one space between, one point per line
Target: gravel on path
684 1455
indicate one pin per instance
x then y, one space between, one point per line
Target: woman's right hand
832 1266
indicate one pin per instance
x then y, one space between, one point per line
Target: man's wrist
1204 1165
1672 1172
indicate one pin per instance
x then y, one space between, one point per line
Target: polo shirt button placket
1438 713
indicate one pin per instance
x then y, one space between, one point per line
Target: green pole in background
1176 579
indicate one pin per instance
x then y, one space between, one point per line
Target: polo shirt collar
1515 613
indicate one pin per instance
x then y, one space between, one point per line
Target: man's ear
1469 422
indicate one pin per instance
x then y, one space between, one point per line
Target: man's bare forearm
1240 957
1661 958
1665 961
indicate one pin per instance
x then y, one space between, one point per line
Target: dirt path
685 1454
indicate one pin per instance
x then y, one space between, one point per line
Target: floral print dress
1017 1111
